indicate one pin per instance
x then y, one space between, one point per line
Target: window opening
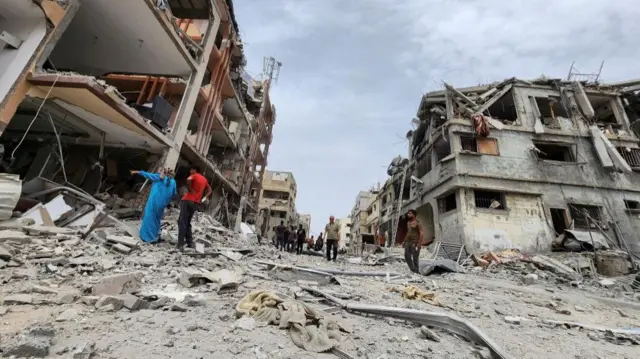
447 203
490 199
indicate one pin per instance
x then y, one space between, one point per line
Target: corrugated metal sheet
583 236
10 189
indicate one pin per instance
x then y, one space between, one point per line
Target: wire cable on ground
64 171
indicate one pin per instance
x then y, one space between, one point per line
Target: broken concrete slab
124 240
47 230
245 323
118 284
121 248
133 303
14 236
5 253
18 299
190 277
84 351
106 300
67 315
33 342
226 279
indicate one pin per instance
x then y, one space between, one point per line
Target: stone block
118 284
107 300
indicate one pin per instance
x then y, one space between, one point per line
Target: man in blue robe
163 190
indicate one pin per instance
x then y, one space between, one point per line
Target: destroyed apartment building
277 202
93 89
517 164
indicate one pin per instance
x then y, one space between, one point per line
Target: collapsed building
516 164
93 89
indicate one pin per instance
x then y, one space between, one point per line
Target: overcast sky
353 72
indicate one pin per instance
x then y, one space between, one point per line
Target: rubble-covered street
67 297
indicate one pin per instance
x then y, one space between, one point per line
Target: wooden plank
495 98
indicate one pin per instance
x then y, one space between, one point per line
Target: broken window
423 165
490 199
631 155
550 108
603 109
632 205
504 109
447 203
483 145
442 149
554 152
581 213
559 219
276 195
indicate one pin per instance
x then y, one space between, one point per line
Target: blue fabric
162 192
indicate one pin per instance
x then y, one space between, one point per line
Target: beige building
345 231
277 202
305 221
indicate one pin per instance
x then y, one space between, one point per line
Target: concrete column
187 105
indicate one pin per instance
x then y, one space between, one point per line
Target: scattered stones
245 323
5 253
132 302
84 351
66 315
89 300
429 334
116 302
530 279
607 283
177 307
192 301
118 284
513 320
482 353
34 342
18 299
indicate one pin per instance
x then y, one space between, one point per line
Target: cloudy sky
353 72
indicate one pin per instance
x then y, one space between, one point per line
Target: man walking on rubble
163 190
291 240
196 185
413 242
302 235
332 234
281 232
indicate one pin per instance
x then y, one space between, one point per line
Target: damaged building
277 202
517 164
97 88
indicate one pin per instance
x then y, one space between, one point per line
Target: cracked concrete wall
531 186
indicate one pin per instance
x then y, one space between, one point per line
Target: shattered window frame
553 113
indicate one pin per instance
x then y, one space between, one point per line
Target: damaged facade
277 202
515 164
97 88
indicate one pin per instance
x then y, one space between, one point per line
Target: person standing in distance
196 185
332 235
413 242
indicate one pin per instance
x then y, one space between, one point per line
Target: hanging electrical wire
26 132
55 131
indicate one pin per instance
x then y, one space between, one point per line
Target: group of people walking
290 239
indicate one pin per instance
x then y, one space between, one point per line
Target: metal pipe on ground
308 270
358 274
441 320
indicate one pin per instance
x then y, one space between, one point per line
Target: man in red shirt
197 185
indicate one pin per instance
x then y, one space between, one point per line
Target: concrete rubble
154 300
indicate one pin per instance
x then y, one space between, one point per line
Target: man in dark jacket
302 235
281 235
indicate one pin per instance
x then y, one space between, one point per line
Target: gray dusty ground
202 326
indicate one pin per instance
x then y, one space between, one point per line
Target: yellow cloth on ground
311 330
415 293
